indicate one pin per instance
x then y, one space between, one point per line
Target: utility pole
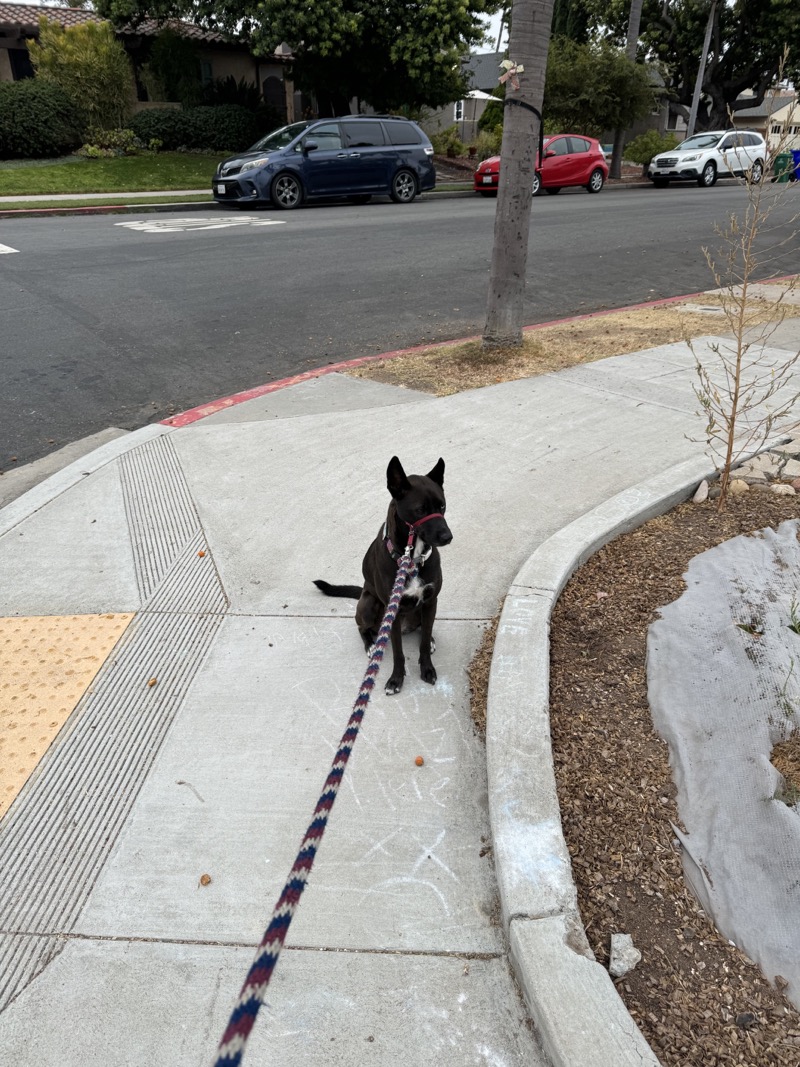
698 85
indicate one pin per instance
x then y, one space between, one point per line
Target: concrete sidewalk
176 688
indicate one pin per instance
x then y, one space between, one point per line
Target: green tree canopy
90 66
747 45
591 88
389 53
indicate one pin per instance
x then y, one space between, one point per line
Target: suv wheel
404 187
286 192
596 181
708 175
756 172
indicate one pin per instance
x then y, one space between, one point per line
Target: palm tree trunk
528 43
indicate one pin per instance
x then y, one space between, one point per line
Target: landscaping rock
737 487
624 955
702 492
784 490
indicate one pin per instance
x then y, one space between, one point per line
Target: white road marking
213 222
7 248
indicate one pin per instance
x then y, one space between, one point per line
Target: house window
20 61
206 77
776 129
458 110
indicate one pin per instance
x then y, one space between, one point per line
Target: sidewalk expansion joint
67 936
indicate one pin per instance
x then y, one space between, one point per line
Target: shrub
229 91
37 120
447 143
488 142
228 128
492 116
90 65
108 143
172 70
642 148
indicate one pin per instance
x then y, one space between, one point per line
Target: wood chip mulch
698 1000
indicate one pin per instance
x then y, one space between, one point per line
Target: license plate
221 190
487 179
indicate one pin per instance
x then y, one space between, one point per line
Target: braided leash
251 997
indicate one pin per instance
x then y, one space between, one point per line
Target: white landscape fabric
723 665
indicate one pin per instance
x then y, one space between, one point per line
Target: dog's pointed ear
437 474
396 481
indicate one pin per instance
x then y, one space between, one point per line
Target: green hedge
228 128
37 120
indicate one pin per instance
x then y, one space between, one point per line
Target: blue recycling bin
796 161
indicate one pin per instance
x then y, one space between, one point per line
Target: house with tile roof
219 56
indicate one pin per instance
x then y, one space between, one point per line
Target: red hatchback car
569 159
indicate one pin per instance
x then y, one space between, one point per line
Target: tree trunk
528 43
634 24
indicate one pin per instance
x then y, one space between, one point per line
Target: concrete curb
580 1016
202 205
46 491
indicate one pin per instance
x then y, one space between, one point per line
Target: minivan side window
327 137
402 133
363 134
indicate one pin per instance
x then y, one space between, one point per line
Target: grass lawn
117 201
130 174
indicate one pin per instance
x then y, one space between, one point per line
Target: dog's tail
351 591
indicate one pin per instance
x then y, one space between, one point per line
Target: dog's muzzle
438 533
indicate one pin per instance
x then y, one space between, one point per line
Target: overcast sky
493 25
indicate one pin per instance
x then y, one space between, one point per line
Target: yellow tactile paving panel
46 665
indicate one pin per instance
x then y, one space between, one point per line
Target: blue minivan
355 157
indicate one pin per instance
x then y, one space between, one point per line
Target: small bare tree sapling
746 390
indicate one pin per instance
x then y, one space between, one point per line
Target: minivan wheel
596 181
286 192
404 187
708 175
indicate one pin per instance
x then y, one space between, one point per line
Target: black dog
417 506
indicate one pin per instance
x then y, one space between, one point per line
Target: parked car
569 159
355 156
707 156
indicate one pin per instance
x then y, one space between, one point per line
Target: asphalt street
120 320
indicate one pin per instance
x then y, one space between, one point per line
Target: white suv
708 156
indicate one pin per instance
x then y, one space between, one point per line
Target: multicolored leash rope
234 1040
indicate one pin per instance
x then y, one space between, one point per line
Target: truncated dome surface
46 665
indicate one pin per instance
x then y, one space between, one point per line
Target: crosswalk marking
213 222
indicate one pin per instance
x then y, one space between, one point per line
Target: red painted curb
185 418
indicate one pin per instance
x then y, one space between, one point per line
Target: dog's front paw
394 685
428 674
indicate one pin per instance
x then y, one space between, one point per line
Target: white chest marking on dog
414 589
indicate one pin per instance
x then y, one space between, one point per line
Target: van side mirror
310 146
